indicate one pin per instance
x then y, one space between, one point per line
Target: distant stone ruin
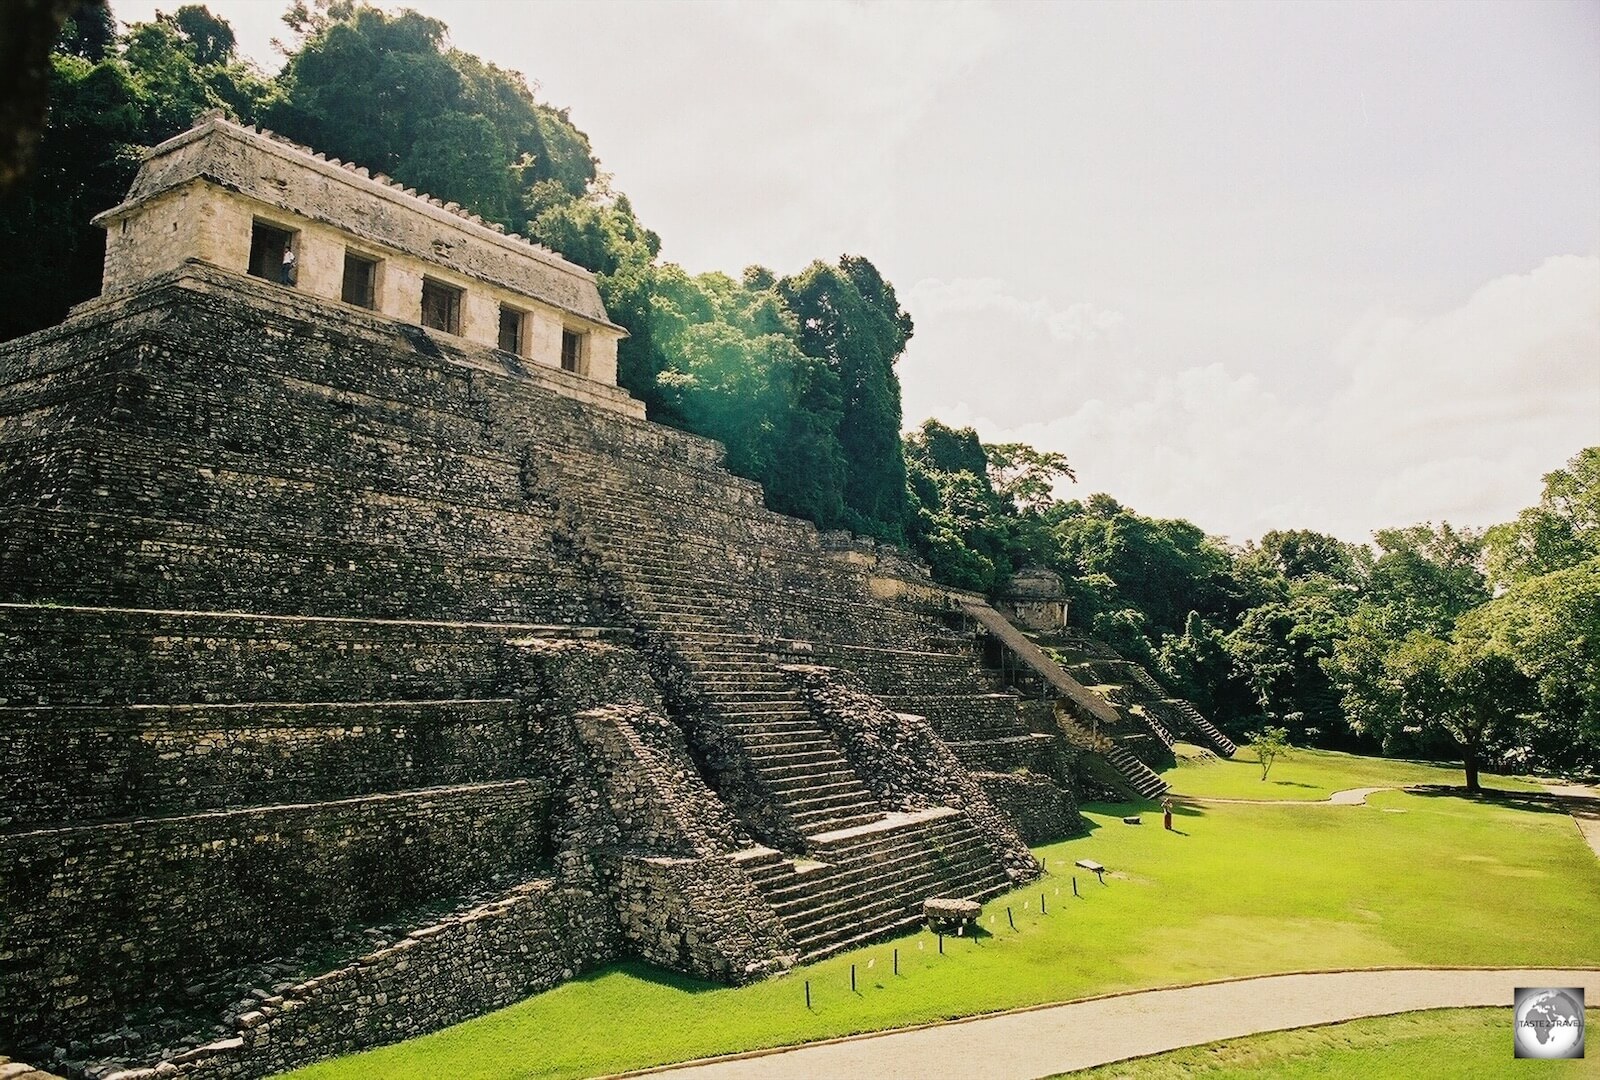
368 662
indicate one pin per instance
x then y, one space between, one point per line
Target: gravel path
1058 1038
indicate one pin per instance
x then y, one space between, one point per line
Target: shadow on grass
1537 802
638 969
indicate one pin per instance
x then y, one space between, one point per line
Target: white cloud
1453 416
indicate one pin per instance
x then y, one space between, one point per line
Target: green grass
1449 1044
1310 775
1238 890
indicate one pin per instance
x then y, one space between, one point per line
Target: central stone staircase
729 592
791 753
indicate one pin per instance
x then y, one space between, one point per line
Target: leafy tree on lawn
1469 690
1269 744
1548 627
1279 649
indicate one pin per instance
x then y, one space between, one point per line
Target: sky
1327 266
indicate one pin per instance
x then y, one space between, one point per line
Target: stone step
805 791
791 894
795 734
901 821
797 758
913 878
890 903
814 822
762 864
800 801
818 948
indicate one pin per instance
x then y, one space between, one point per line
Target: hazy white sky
1288 265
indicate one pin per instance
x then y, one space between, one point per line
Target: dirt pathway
1058 1038
1351 797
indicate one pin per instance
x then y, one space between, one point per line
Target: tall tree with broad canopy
848 316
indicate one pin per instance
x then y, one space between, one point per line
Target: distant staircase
1132 772
1199 726
1135 773
1143 779
725 590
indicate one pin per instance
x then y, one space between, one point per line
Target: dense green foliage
110 96
1400 646
1237 890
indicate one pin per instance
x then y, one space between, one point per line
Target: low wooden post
1074 884
1010 918
1042 911
808 993
852 978
897 961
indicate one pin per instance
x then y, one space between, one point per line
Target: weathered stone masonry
357 677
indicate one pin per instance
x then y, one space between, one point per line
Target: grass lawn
1237 890
1449 1044
1311 775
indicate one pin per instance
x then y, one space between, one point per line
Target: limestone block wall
97 918
168 482
191 221
701 915
65 656
538 935
1043 810
640 761
87 763
681 901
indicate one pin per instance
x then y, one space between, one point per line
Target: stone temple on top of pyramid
368 661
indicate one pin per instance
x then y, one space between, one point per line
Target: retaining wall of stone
537 936
1043 810
701 915
97 921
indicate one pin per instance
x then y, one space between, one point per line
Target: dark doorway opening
272 253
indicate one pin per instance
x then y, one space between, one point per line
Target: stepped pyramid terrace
368 661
